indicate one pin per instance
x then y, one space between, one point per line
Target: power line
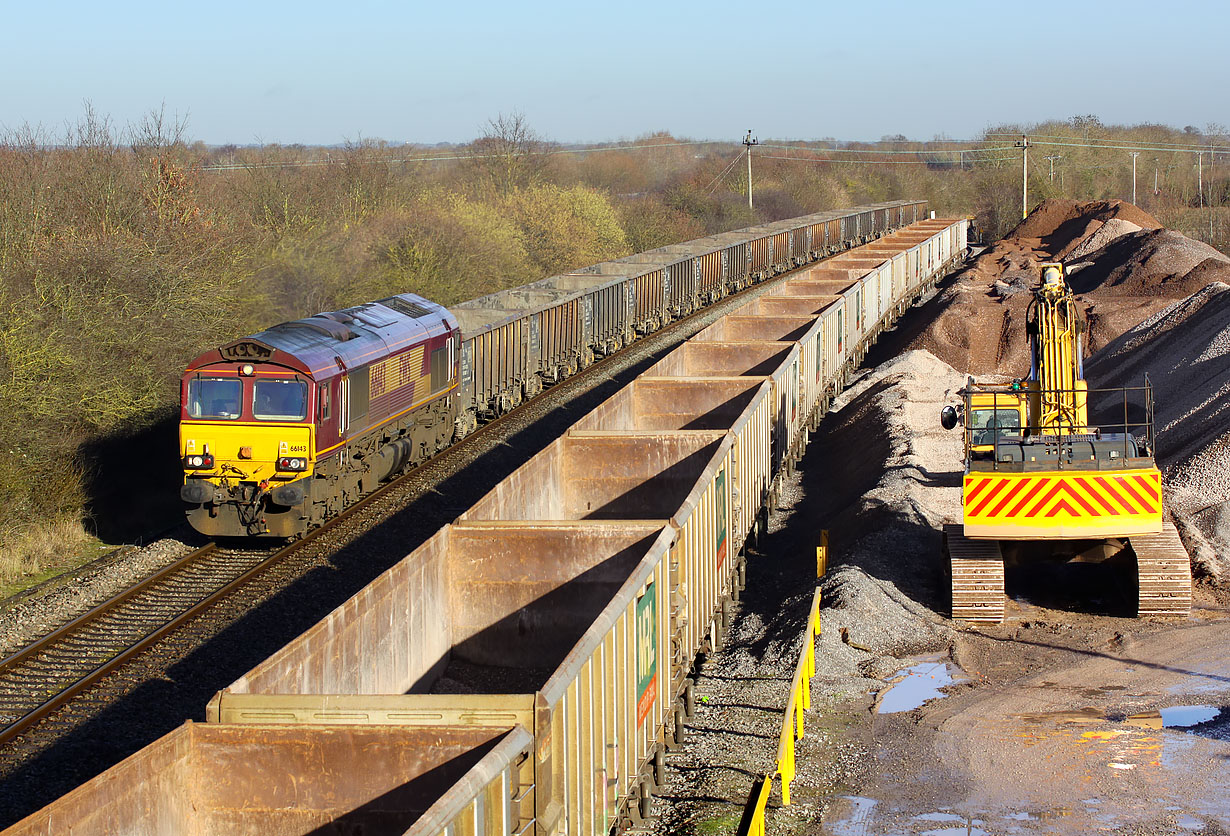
880 162
1176 145
877 151
722 174
1195 149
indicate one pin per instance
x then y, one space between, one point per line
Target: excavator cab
991 415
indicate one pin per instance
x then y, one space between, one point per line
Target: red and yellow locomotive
283 429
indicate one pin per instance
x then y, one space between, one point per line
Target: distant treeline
126 251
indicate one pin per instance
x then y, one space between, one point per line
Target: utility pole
1051 159
1155 176
1134 154
1024 146
1212 182
749 142
1200 177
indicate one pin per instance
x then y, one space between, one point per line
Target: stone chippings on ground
1185 350
883 477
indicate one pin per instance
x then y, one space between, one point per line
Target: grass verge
36 552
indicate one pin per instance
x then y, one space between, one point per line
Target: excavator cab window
986 424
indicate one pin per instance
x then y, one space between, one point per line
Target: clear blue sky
325 73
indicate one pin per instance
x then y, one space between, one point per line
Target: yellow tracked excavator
1035 470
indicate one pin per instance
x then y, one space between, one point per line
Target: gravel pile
1059 226
1185 350
1101 237
1122 265
1159 262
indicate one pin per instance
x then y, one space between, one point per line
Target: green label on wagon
720 508
646 653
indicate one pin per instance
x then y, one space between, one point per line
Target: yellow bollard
822 554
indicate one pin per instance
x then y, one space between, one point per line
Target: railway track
40 678
62 666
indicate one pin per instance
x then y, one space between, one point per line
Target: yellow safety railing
792 724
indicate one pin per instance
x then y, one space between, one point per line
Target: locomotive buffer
1035 470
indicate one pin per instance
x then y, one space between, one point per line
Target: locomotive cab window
279 399
215 397
442 367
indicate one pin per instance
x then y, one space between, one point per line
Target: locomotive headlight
199 461
246 370
293 464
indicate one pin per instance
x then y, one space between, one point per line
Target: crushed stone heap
1185 350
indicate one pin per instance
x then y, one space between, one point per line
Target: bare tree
156 131
509 155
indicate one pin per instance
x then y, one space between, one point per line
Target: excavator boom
1055 327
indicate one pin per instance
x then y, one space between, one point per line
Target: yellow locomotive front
247 447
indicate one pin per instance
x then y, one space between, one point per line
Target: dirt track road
1060 750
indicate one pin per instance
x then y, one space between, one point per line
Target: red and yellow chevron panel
1062 504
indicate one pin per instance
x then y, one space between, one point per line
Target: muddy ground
1071 717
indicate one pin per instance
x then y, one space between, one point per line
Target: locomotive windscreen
280 400
214 397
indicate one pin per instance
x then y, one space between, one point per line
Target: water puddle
918 684
965 825
858 822
1176 717
1183 716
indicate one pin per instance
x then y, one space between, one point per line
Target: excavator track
977 577
1164 575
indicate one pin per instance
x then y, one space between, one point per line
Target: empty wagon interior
674 403
721 359
792 304
202 780
862 266
738 326
603 476
480 607
811 287
826 272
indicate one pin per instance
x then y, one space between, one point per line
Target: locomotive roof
357 335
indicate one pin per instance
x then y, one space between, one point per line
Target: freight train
523 671
281 430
